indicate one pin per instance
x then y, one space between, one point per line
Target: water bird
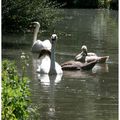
77 65
48 65
86 56
39 45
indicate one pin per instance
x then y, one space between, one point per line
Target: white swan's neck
35 33
52 65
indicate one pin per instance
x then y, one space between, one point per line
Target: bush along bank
18 14
15 93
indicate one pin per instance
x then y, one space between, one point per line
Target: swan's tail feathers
103 59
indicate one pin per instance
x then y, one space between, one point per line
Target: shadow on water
9 45
98 68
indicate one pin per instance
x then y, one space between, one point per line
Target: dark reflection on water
77 95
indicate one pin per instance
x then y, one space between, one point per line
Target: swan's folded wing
47 45
76 65
37 46
71 65
41 45
88 66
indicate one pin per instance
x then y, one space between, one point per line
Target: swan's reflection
49 82
46 79
76 74
100 68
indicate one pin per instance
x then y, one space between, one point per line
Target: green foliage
79 3
15 93
18 14
112 4
104 3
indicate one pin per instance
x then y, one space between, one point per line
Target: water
79 95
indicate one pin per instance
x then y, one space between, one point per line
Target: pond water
76 95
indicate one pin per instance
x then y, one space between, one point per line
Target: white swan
47 63
38 45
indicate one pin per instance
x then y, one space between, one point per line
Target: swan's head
54 37
36 24
84 48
